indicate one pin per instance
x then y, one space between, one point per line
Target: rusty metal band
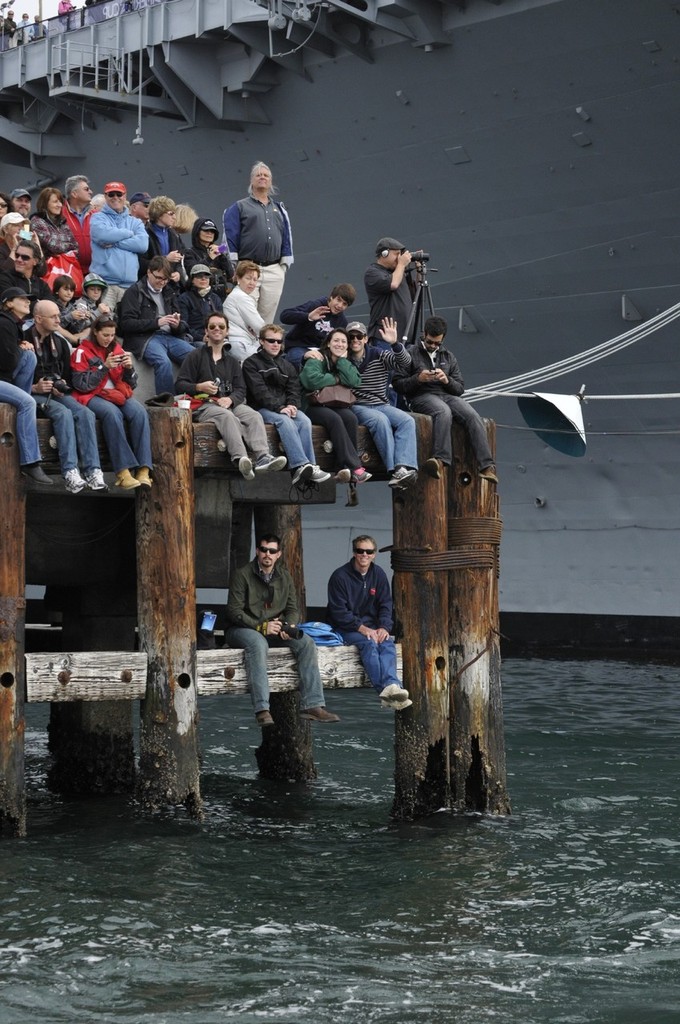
441 561
481 530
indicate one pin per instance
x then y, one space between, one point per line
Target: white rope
576 362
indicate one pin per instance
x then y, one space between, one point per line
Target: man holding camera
261 612
387 288
74 424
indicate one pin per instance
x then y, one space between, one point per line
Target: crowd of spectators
139 279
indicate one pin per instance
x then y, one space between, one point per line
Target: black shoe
37 475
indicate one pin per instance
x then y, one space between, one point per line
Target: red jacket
81 233
90 373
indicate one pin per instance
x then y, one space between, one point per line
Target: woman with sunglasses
333 367
104 380
28 265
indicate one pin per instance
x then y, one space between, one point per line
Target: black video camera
58 383
294 632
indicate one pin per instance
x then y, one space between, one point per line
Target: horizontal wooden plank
113 675
86 675
208 456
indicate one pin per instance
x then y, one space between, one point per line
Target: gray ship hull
532 149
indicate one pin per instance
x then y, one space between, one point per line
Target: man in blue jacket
118 240
360 608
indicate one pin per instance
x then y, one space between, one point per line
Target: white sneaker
270 463
403 477
319 476
303 473
74 481
393 694
94 479
245 468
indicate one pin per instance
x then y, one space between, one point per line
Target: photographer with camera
74 425
261 610
213 380
388 289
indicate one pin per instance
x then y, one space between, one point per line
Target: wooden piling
421 772
478 781
166 595
286 751
12 626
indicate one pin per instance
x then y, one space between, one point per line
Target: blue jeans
25 368
295 434
379 660
445 408
113 418
74 427
255 647
27 433
160 352
393 431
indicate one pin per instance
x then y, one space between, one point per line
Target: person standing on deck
258 228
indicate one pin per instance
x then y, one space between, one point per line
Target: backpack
322 634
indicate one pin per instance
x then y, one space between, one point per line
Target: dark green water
305 904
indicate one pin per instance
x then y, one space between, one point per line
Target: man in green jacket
261 613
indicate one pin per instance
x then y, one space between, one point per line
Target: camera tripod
421 308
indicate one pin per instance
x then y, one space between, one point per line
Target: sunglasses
24 256
354 335
115 195
364 551
217 327
274 341
268 551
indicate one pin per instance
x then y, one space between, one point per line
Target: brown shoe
263 719
489 473
434 468
318 715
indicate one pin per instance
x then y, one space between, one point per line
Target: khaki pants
236 426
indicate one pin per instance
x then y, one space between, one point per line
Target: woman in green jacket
333 367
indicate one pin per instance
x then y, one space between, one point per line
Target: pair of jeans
296 436
160 352
341 426
75 428
393 431
379 660
124 454
256 648
444 409
27 432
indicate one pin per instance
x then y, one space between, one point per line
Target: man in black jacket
151 324
74 424
434 386
274 390
213 378
27 261
17 364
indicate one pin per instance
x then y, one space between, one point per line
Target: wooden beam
116 675
166 602
12 625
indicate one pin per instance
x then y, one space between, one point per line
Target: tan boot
142 476
126 480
